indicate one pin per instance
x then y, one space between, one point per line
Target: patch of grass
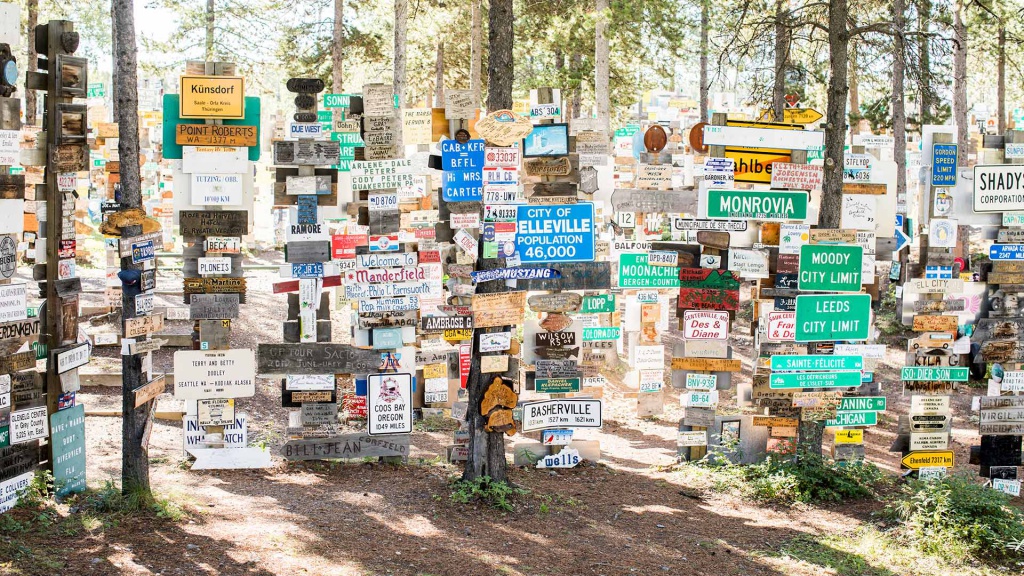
436 424
866 551
959 520
810 478
110 500
500 495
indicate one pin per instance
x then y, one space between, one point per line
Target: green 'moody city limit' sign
830 268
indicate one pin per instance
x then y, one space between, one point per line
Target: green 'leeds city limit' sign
833 317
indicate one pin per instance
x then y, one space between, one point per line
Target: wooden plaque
214 223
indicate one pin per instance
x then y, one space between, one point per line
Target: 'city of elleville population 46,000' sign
558 233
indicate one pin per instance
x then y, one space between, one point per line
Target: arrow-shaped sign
902 240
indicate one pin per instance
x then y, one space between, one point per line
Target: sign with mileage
557 233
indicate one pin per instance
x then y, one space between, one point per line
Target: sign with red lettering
705 325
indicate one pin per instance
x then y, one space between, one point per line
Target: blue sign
463 185
468 156
556 233
938 272
1006 252
310 270
387 338
306 208
944 165
143 252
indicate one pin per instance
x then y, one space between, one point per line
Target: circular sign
8 256
462 136
697 137
655 139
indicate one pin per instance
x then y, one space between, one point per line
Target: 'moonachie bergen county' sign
562 413
755 204
998 188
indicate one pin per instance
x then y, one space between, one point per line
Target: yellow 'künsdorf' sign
212 97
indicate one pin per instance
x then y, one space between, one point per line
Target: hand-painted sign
557 233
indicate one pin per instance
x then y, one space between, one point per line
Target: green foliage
810 478
957 519
500 495
112 500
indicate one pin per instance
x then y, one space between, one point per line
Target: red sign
427 233
465 359
354 405
708 299
66 249
343 246
430 256
293 285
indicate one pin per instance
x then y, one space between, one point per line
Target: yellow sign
796 115
707 364
458 334
849 436
521 107
926 458
439 370
754 164
213 97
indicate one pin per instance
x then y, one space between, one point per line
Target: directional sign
853 419
1006 252
931 373
814 380
833 317
817 362
763 137
557 233
927 458
862 403
902 240
830 268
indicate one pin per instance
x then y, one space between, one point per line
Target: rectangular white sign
202 374
214 265
998 188
562 413
763 138
12 303
705 325
214 159
389 403
216 189
28 425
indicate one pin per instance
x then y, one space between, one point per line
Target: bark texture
899 112
960 81
476 50
705 81
210 18
338 50
602 96
401 29
835 116
782 33
32 9
135 456
499 60
439 76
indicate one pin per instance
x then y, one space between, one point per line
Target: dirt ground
621 516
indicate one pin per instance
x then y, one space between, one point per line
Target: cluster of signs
41 406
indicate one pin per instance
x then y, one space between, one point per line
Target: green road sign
96 90
172 111
67 430
757 204
324 116
598 304
909 373
557 385
17 170
635 272
814 380
862 404
830 268
591 334
866 418
337 100
817 362
347 138
833 317
5 436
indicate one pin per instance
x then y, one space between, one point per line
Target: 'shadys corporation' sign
998 188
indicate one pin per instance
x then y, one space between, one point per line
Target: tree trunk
338 50
439 76
209 30
499 60
705 82
576 62
835 116
960 81
924 16
601 65
781 59
32 7
1001 77
899 112
476 50
401 26
854 91
113 67
135 457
